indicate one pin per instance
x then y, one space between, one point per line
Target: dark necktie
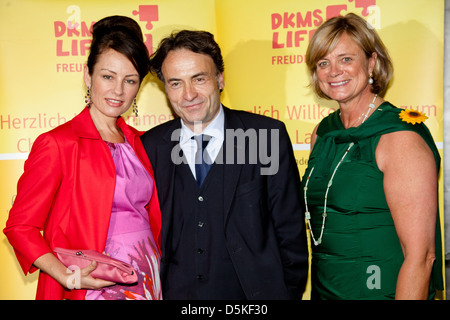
202 160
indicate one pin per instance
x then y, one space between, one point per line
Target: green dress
360 254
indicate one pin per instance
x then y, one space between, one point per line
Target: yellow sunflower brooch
412 116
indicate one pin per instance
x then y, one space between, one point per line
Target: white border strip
306 147
13 156
301 147
296 147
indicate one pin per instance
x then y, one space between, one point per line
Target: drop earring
135 108
370 79
87 98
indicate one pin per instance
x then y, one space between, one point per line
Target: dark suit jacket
263 214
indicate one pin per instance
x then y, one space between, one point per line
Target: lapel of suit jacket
165 152
232 171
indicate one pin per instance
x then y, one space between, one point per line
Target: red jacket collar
84 127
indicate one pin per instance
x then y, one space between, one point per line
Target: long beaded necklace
330 183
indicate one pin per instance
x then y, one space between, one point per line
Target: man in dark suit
229 188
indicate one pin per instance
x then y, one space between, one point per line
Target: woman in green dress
371 186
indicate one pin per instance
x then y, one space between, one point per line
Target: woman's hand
77 279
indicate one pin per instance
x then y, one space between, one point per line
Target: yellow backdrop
44 44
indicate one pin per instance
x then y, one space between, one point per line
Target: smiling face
114 83
343 73
192 86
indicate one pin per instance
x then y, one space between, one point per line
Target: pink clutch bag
108 268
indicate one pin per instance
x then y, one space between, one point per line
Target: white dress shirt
215 129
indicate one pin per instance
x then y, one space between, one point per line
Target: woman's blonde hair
326 38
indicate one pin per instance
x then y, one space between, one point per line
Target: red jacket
67 190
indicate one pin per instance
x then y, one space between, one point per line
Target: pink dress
129 237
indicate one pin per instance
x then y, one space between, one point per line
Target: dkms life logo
73 35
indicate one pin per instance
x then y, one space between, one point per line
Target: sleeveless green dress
360 254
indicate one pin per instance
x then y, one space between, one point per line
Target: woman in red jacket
88 183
